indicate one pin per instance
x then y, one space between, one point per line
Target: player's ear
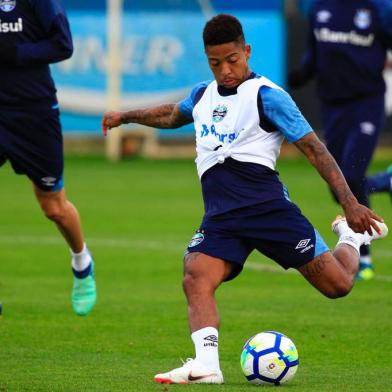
248 51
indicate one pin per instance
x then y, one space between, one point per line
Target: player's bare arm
162 116
359 217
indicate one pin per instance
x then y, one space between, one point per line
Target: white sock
351 240
349 237
206 347
81 260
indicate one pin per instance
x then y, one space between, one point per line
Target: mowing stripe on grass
154 244
105 242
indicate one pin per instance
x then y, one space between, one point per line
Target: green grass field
138 217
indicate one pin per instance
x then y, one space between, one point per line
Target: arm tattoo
315 267
163 116
322 160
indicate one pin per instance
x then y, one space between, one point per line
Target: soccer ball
269 358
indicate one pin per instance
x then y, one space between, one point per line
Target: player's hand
361 218
111 120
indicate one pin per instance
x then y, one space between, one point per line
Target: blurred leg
63 213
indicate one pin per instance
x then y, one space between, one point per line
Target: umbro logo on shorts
302 243
49 181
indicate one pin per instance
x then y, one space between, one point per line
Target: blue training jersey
236 184
33 34
347 45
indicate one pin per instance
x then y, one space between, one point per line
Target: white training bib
229 126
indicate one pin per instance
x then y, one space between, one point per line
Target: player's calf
329 276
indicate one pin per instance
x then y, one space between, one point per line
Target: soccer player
241 119
33 34
347 45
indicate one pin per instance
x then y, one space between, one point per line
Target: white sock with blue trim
81 260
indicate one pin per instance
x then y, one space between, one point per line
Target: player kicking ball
34 34
240 120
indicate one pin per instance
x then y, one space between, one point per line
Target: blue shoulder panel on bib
281 110
186 105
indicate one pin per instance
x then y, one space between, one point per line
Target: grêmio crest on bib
219 113
7 5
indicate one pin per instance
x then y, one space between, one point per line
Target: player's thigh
327 275
34 146
281 232
215 241
211 271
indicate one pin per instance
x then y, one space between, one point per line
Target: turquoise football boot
365 271
84 293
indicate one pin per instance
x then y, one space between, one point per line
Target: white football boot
191 372
339 226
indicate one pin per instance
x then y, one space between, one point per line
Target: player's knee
53 212
338 289
196 282
190 282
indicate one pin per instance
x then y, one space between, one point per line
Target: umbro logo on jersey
212 341
7 5
367 128
11 27
323 16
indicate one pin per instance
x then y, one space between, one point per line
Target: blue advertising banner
162 58
183 5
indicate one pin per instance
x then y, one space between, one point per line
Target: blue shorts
275 228
32 142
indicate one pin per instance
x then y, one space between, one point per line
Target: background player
241 120
347 45
33 34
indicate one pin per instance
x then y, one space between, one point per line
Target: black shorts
275 228
31 140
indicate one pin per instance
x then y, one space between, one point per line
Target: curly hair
221 29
